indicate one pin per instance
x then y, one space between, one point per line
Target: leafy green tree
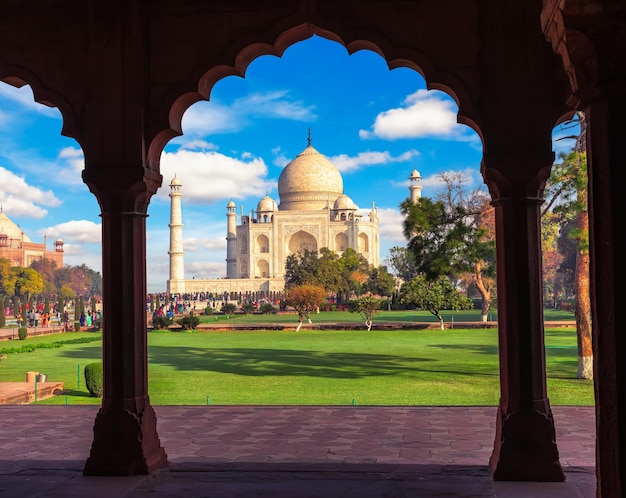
28 282
380 282
402 263
433 296
450 241
66 293
367 307
566 195
301 268
305 298
47 269
7 278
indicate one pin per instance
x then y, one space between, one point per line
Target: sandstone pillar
125 436
525 447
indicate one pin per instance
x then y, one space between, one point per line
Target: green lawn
383 316
426 367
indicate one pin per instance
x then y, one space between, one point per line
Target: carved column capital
516 176
124 190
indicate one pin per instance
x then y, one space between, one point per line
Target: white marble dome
344 202
309 182
266 204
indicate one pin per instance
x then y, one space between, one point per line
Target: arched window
263 268
302 241
262 244
363 243
341 242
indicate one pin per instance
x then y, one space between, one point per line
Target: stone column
607 160
525 447
125 435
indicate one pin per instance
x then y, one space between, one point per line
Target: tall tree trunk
583 308
484 292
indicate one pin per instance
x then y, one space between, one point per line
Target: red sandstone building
17 247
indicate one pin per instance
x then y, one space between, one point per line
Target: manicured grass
405 367
383 316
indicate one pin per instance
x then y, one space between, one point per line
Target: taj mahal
313 212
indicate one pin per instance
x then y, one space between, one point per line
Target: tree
27 282
566 194
451 241
47 269
301 268
7 278
367 307
305 298
66 293
402 263
433 296
380 282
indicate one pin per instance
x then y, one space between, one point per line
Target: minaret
231 240
414 187
176 282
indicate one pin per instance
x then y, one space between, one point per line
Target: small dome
266 204
175 182
344 202
231 204
309 182
415 174
59 240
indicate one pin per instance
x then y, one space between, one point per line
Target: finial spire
309 138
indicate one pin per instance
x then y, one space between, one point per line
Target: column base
525 447
125 444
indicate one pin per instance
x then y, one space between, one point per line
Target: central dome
309 182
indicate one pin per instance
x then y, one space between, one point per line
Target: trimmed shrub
93 379
208 310
161 322
76 326
22 333
229 308
267 308
189 322
97 324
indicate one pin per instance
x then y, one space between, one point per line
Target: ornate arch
301 241
18 76
248 46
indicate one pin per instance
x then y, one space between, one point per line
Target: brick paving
290 451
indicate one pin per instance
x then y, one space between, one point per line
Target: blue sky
374 124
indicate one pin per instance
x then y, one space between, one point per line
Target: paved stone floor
277 451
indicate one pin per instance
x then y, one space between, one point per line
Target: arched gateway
122 73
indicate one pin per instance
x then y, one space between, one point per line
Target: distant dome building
20 250
313 212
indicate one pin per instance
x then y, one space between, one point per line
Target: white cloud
212 117
346 163
198 145
423 114
72 163
193 244
24 98
76 231
19 198
202 270
280 159
207 177
390 226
